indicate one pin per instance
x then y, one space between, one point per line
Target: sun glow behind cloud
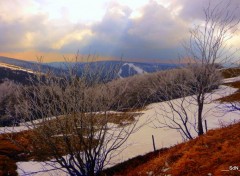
77 35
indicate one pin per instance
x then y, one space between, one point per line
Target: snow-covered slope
21 65
140 142
229 80
19 70
14 67
14 73
16 62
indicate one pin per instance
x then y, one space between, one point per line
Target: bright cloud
74 36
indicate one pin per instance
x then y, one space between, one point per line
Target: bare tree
207 47
70 121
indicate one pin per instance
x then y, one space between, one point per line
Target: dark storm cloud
156 34
157 29
195 9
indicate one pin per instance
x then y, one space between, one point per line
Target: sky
133 30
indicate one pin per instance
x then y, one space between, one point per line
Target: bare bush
6 88
70 121
7 102
139 90
134 91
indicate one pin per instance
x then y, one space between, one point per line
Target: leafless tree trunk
204 80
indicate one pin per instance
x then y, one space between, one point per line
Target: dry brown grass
11 152
16 147
230 72
211 153
7 166
235 97
116 118
234 84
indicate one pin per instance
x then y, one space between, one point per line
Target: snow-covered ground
140 142
234 79
12 129
22 126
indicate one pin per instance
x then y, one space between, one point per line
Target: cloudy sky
143 30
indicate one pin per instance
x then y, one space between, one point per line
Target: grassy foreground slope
211 154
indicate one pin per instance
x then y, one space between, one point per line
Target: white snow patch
13 129
131 65
229 80
33 168
14 67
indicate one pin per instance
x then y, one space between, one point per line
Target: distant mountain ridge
122 69
113 69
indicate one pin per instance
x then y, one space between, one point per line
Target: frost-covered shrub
140 90
7 102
